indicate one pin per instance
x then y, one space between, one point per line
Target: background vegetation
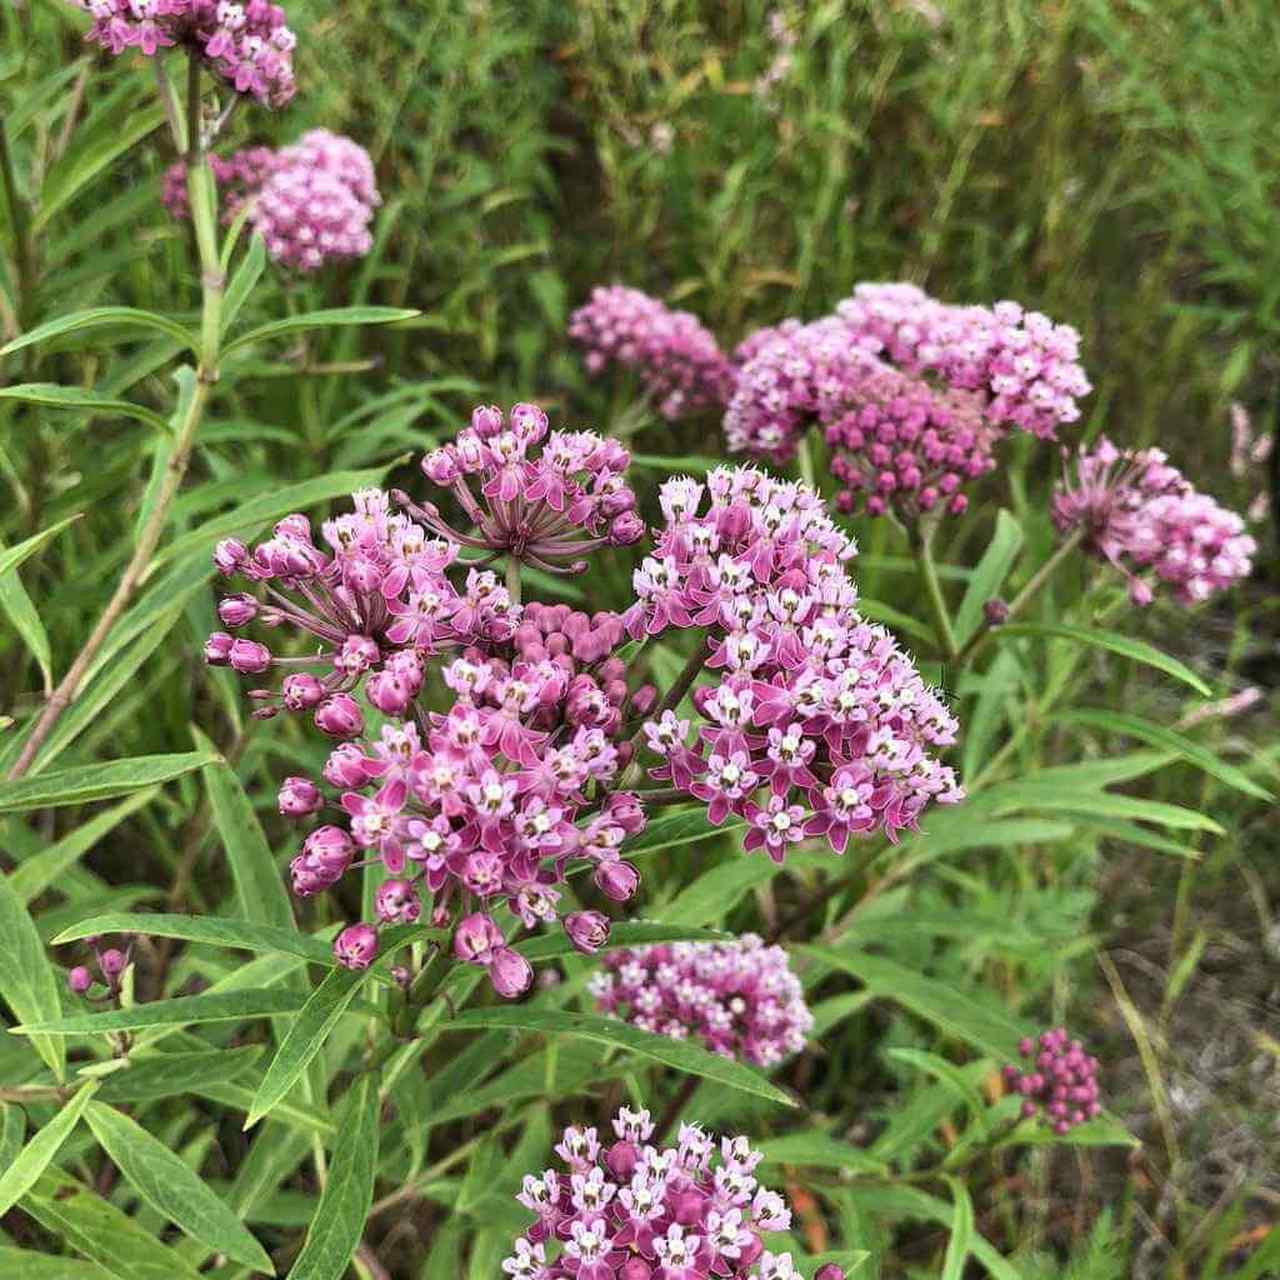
1109 162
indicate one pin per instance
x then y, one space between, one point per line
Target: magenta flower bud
475 939
248 657
112 963
294 526
689 1207
356 946
229 556
626 529
527 420
829 1271
621 1160
635 1269
358 654
339 717
79 980
617 880
644 700
346 767
388 692
217 649
397 903
235 611
299 797
996 612
587 930
510 973
624 809
301 691
486 419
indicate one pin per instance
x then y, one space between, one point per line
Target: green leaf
1157 735
336 1228
306 1038
719 890
11 558
97 317
166 1074
635 933
338 316
819 1151
172 1188
1113 641
57 396
248 273
88 782
216 931
259 885
1056 797
34 1158
13 1124
27 982
271 506
952 1011
22 613
989 575
41 1266
96 1228
680 1054
219 1006
960 1244
37 873
685 826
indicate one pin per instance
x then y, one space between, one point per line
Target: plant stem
920 537
676 1106
674 696
513 578
203 213
804 462
1024 597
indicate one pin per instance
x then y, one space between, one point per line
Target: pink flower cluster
247 45
312 201
1027 366
546 508
817 723
678 361
739 999
630 1210
1139 513
1062 1080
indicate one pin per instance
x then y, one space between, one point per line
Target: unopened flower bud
237 610
356 946
396 903
229 556
248 657
587 930
339 717
510 973
112 963
299 797
79 980
217 649
996 612
475 939
617 880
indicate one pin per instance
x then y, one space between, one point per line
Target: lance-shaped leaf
680 1054
12 557
27 982
172 1188
166 1074
55 396
988 575
635 933
34 1158
218 1006
89 782
96 318
47 1266
336 317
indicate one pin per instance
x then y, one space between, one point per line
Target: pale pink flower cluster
626 1209
676 358
312 201
248 45
817 723
739 999
1144 517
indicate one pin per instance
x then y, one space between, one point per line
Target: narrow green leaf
216 931
172 1188
988 575
166 1074
11 558
680 1054
719 889
682 827
37 873
27 982
635 933
820 1151
1058 798
336 317
1157 735
219 1006
25 618
1113 641
56 396
85 783
97 317
306 1038
336 1228
34 1158
960 1244
22 1264
248 273
13 1124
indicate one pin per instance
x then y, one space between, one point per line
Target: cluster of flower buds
739 999
312 201
628 1210
376 603
1061 1081
1139 513
676 358
247 45
111 962
817 723
1027 367
548 508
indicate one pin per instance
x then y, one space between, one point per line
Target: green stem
513 578
921 540
203 213
675 695
804 462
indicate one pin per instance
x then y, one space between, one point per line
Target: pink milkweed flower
356 946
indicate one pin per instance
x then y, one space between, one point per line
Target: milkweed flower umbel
816 723
1060 1081
739 999
625 1209
1142 516
676 358
248 45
